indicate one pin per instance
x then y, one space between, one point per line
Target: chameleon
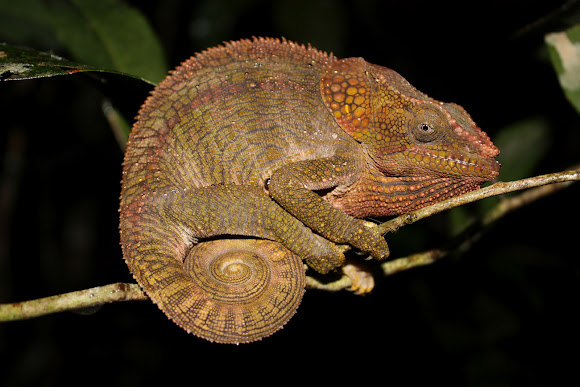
259 155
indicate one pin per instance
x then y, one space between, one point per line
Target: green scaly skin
241 139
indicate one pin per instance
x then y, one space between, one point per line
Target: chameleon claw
361 277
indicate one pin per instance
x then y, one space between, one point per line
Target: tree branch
498 188
473 232
79 300
543 185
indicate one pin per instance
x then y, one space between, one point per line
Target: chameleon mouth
448 163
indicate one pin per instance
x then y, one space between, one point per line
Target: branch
499 188
79 300
543 185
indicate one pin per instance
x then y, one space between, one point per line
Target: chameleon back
233 114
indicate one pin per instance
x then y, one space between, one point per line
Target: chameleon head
405 132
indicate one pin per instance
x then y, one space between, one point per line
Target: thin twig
542 186
334 286
499 188
88 298
554 182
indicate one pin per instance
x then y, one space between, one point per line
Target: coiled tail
224 290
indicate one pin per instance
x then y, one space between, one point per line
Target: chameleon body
280 149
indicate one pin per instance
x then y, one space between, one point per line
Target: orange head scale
404 131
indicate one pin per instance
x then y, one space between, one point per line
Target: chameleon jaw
449 164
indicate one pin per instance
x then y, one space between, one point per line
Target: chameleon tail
228 290
244 289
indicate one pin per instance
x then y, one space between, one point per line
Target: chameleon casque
254 156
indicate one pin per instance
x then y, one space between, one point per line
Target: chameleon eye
425 132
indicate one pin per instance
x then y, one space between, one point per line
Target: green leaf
23 63
106 34
523 145
564 50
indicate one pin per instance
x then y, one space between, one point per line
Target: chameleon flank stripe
223 171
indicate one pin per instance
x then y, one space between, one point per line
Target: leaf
24 63
564 50
523 146
105 34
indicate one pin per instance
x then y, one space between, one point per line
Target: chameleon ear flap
346 92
